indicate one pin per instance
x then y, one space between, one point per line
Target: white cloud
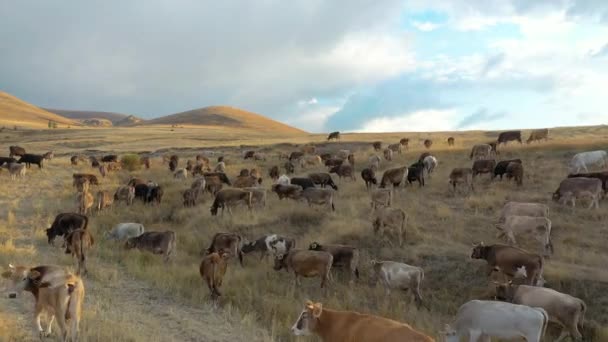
311 101
425 26
313 120
419 121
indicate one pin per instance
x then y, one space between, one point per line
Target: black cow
110 158
7 160
305 183
333 135
30 159
369 176
149 193
505 137
323 179
501 167
64 224
416 173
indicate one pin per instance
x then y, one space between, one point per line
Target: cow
48 155
227 242
484 319
78 242
515 171
155 243
369 177
343 154
313 161
212 269
305 263
220 167
423 155
309 149
319 197
149 193
405 142
127 230
125 193
245 182
304 182
388 154
7 160
110 158
501 167
287 191
571 189
393 218
283 180
396 148
221 175
270 244
84 201
381 197
482 166
74 160
343 256
581 160
228 198
133 181
30 159
323 179
539 227
451 141
563 309
377 145
523 209
415 173
344 171
400 276
248 154
333 136
508 259
90 177
104 199
481 151
289 168
333 325
274 173
258 196
57 293
15 170
332 162
94 161
65 223
430 163
173 162
16 151
145 161
505 137
325 156
374 162
295 156
428 143
461 175
190 197
602 176
538 135
395 177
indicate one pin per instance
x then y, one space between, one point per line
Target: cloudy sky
350 65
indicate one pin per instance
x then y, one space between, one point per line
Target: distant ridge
16 112
117 119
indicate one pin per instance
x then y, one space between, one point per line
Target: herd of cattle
523 307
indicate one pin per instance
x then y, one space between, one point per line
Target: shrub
130 162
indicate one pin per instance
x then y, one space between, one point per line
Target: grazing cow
374 162
220 167
323 179
15 170
393 218
388 154
90 177
377 145
395 177
563 309
227 242
538 135
74 160
405 142
84 201
7 160
104 199
149 193
451 141
310 161
516 171
289 168
16 151
65 223
523 209
333 136
501 167
245 182
270 244
258 196
111 158
428 143
259 156
344 171
430 163
125 193
602 176
305 183
155 243
369 177
284 180
325 156
145 161
571 189
415 173
343 256
199 185
482 166
400 276
481 319
305 263
581 160
274 173
248 154
331 162
287 191
396 148
461 175
57 293
505 137
213 268
30 159
78 242
539 227
508 259
228 198
381 197
333 325
127 230
319 197
481 151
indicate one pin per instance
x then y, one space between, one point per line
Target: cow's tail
82 256
581 319
86 222
545 323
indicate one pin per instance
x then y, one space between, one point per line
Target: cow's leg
475 335
48 329
562 335
37 321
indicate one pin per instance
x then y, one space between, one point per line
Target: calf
381 197
228 242
572 188
319 197
270 244
394 177
64 224
213 268
539 227
484 319
305 263
125 193
30 159
400 276
305 183
287 191
228 198
369 177
123 231
323 179
393 218
104 200
483 166
78 243
508 259
154 242
343 256
501 167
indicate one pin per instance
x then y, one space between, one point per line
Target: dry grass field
133 296
14 111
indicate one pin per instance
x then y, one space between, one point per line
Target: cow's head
315 246
22 278
130 243
478 251
279 262
505 291
450 334
308 319
51 234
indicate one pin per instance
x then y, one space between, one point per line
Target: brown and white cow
509 259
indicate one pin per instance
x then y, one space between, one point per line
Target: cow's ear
310 305
317 309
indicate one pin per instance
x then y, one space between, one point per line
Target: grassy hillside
224 116
117 119
14 111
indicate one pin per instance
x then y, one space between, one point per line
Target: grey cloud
482 115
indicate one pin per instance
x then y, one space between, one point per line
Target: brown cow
334 136
90 177
405 142
538 135
154 242
571 189
509 259
78 242
104 199
245 182
226 242
505 137
515 171
343 256
484 166
369 177
287 191
395 177
228 198
451 141
274 173
461 175
85 201
212 270
428 143
377 145
343 171
305 263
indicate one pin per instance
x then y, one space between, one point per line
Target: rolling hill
16 112
224 116
117 119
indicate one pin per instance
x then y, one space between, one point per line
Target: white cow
430 163
538 227
482 319
400 276
524 209
581 160
123 231
284 180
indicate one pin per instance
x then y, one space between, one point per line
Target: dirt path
116 309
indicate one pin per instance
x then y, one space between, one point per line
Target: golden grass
263 303
14 111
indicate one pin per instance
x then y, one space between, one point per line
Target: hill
226 117
117 119
16 112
